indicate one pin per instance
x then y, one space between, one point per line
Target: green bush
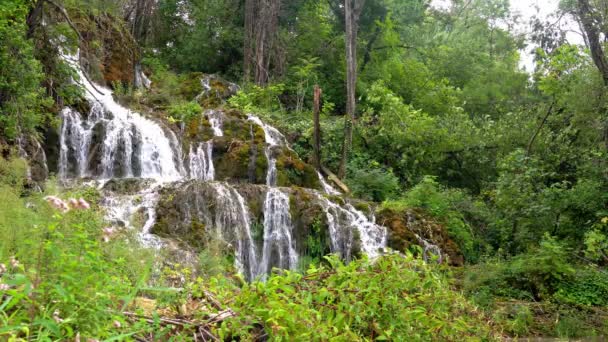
395 297
184 111
531 276
63 279
373 184
588 286
447 205
253 98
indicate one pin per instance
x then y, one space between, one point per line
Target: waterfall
201 161
124 143
279 245
233 224
215 120
326 187
120 209
201 156
343 221
428 248
373 236
274 138
110 142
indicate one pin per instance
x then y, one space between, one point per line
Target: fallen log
332 177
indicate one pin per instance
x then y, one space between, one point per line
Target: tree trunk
140 21
317 129
352 10
250 14
592 32
34 17
261 37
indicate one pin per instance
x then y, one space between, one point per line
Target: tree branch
529 149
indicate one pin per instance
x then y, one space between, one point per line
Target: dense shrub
588 286
448 206
393 298
532 276
373 184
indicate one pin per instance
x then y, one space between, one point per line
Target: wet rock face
32 150
127 186
197 212
405 227
312 227
239 155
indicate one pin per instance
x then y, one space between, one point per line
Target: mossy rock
311 230
190 85
175 217
291 170
108 49
216 91
403 225
233 162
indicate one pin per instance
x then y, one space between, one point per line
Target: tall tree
139 14
352 12
592 23
261 39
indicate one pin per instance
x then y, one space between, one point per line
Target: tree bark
260 41
317 129
589 21
140 19
250 13
352 11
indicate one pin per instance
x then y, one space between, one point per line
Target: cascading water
201 161
343 221
120 209
112 141
233 223
326 187
201 156
429 249
279 245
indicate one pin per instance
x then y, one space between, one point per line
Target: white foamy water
130 145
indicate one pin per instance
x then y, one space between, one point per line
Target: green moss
291 170
190 85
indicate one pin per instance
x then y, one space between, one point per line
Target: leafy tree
23 103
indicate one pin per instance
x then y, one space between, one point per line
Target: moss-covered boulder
215 91
404 225
291 170
308 216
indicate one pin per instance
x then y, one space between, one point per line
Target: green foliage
13 173
184 111
589 286
393 298
62 278
373 184
447 205
596 242
516 320
253 98
23 103
535 275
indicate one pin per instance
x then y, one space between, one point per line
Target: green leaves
184 111
392 298
24 102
